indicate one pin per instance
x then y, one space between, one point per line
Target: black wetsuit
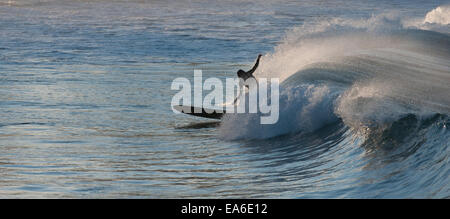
246 75
249 74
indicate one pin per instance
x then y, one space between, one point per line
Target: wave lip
439 15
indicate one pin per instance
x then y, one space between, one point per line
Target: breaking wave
367 74
364 95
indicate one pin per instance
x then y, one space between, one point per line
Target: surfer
244 75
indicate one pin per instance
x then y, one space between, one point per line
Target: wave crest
439 15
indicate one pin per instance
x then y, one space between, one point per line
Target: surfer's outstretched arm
254 67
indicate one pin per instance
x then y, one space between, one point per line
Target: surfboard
200 112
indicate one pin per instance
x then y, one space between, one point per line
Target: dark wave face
406 159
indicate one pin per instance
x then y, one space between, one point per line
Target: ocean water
85 99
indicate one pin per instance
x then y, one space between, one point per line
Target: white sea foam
439 15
